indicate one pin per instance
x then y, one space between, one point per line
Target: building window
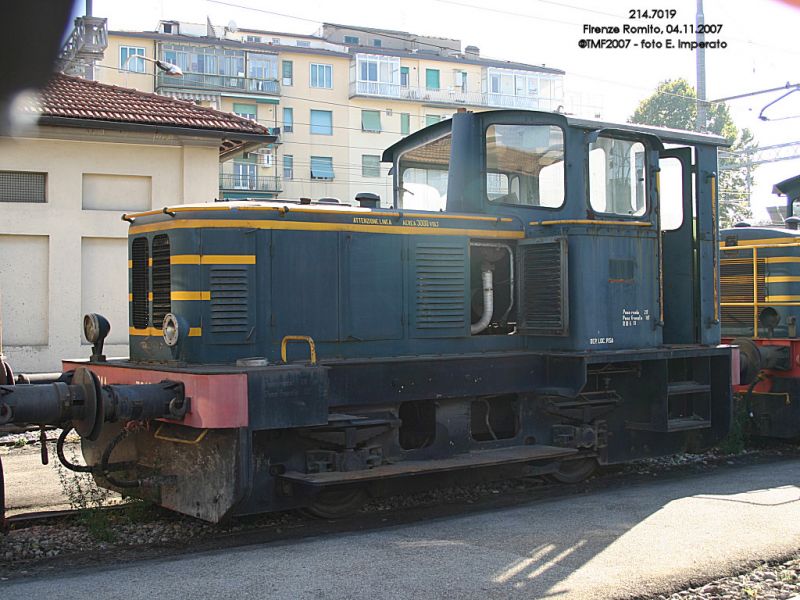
303 44
321 76
288 120
460 80
135 65
248 111
370 165
351 39
287 69
377 43
404 77
276 40
322 168
432 79
371 120
431 119
378 69
254 39
244 175
288 166
21 186
262 67
321 122
405 123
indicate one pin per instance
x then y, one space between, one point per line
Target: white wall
68 256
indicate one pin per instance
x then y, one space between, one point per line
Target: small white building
97 151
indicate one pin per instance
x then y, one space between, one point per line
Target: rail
452 95
754 301
207 81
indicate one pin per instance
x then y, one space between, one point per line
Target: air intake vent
229 299
162 284
543 287
139 283
440 280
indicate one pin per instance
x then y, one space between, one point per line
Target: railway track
189 535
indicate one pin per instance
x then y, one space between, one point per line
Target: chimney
792 223
472 52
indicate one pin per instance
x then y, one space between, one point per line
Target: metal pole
700 57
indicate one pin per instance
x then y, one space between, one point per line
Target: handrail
299 338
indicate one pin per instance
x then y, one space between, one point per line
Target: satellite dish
232 26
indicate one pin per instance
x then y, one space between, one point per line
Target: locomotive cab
532 299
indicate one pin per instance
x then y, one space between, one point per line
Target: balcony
222 83
451 96
251 183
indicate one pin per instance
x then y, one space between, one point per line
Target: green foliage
736 179
80 488
674 105
734 442
83 494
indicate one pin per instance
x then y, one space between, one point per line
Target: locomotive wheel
574 471
336 504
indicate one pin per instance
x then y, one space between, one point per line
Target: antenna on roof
232 27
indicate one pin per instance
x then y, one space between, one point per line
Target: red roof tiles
76 98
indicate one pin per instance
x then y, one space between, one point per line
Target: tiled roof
76 98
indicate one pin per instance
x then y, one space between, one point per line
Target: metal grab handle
299 338
167 438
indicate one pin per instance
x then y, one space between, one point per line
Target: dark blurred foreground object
24 65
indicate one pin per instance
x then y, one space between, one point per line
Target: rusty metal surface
477 459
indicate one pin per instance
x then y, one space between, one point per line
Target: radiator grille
544 276
162 284
440 288
229 299
736 285
139 284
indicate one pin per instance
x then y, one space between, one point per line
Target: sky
759 55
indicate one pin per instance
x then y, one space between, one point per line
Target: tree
674 105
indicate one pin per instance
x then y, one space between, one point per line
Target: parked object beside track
760 285
521 307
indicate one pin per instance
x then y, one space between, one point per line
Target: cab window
525 165
423 176
617 177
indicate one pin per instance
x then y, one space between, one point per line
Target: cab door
679 248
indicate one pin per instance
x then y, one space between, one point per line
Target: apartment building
336 98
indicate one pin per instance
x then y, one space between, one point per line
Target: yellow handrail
299 338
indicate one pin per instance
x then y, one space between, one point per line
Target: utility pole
700 57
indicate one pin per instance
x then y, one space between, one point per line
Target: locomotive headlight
172 329
95 327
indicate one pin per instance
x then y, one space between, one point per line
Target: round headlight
95 327
171 329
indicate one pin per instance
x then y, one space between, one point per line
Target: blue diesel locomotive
532 302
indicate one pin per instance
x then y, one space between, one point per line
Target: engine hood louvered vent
140 314
440 290
543 288
229 299
162 280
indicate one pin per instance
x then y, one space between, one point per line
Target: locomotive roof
294 206
666 135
